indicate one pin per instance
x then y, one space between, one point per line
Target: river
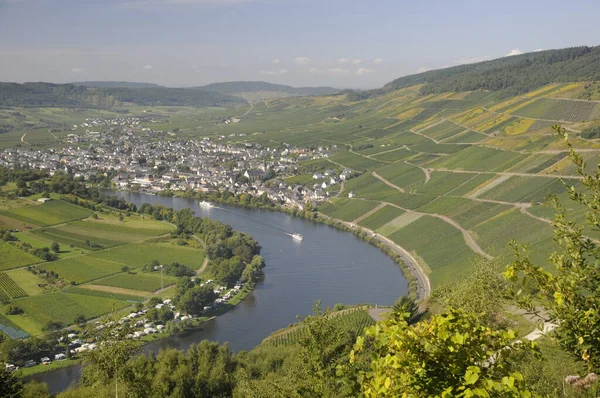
328 265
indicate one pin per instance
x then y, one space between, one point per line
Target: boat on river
297 237
206 205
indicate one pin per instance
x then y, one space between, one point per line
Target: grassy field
13 257
27 281
139 281
83 268
138 254
105 294
51 213
63 307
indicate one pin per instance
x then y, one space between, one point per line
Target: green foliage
591 132
570 295
194 299
10 386
480 292
515 75
449 355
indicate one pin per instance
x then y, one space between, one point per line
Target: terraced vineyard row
9 288
354 321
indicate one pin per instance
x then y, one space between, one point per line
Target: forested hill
113 84
266 90
73 96
515 74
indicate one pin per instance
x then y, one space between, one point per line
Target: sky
340 43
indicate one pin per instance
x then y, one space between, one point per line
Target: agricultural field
477 158
51 213
518 189
105 294
354 161
352 320
13 257
380 217
495 234
440 247
560 110
82 268
62 307
347 209
140 281
136 255
9 289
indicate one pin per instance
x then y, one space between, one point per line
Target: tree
10 386
52 326
79 320
405 308
571 295
195 299
482 291
449 355
124 268
55 247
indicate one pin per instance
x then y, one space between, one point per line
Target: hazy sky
342 43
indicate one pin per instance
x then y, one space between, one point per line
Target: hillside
37 95
257 90
514 75
111 84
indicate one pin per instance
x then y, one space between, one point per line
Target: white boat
297 237
206 204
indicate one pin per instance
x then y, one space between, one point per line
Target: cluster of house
146 159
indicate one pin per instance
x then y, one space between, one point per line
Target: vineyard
9 289
349 321
11 330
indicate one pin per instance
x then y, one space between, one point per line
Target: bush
13 310
591 132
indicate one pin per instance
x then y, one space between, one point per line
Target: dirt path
367 214
426 171
23 138
510 174
203 266
386 182
466 235
249 110
117 290
376 313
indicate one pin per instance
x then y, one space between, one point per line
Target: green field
479 159
355 162
98 293
381 217
13 257
83 268
526 189
138 254
144 282
63 308
51 213
440 245
353 320
347 209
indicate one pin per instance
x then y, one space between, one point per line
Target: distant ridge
77 96
256 90
515 75
114 84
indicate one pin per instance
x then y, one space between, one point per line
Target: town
140 158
